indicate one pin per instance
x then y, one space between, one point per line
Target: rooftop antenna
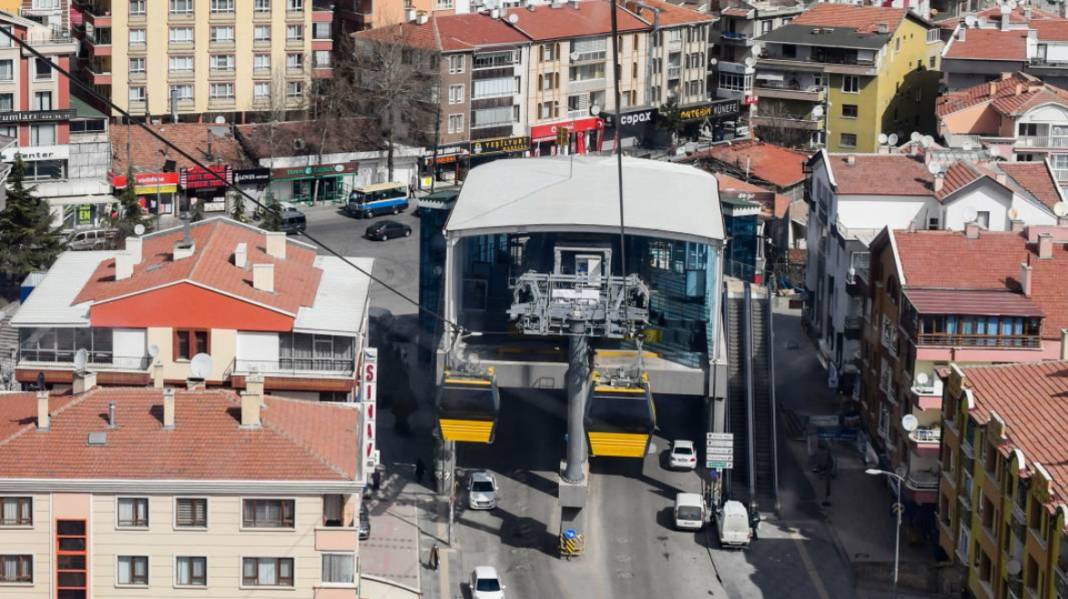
200 366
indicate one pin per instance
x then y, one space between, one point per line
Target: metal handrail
747 343
962 340
774 405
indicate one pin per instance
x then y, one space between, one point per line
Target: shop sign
543 132
35 153
765 198
149 183
36 116
713 110
252 176
198 178
637 118
319 170
500 145
448 154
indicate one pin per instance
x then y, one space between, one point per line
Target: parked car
732 520
387 229
365 522
485 584
92 239
481 491
689 511
293 220
683 455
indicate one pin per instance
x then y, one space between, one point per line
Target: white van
733 523
689 511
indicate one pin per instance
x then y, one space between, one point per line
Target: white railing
31 359
313 367
931 434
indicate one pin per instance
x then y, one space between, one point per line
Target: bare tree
776 124
394 79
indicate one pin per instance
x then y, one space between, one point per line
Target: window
191 512
489 117
695 88
294 5
137 37
46 170
5 42
456 123
456 94
267 513
262 6
294 60
222 62
181 64
983 218
137 8
261 33
190 342
261 62
261 90
456 64
338 568
181 7
594 49
849 111
16 568
132 570
732 81
548 110
294 89
321 31
550 52
185 91
222 34
7 104
45 135
1027 129
16 511
7 70
132 512
295 33
267 572
321 59
443 4
181 35
191 571
849 140
42 70
222 6
851 84
43 100
586 72
548 81
137 64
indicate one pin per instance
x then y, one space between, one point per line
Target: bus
381 198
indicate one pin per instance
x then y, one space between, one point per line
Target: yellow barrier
619 445
471 431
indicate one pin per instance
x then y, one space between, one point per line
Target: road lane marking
810 568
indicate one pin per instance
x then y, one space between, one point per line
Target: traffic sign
717 464
719 451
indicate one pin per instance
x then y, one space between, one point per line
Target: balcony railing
1042 141
922 480
926 435
319 367
1060 580
731 35
957 340
52 360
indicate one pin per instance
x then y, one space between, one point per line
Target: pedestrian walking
420 467
376 479
434 558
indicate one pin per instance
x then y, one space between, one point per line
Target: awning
972 302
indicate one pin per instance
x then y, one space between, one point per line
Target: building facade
220 57
732 43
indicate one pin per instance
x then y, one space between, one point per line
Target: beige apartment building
216 57
177 494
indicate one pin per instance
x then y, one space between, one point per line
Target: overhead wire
133 120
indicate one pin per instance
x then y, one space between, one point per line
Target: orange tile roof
990 44
296 278
14 405
148 154
592 17
954 101
957 176
865 19
299 440
777 165
411 34
1029 398
728 183
670 14
1051 30
1017 15
474 30
881 174
1036 178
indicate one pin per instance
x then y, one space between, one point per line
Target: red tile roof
416 35
990 44
974 302
881 174
777 165
957 176
1005 87
474 30
670 14
148 154
299 440
592 17
865 19
728 183
17 408
1036 178
1029 398
296 279
736 12
1051 30
1018 15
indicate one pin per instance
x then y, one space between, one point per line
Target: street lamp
897 508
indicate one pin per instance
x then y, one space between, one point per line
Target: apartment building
732 43
1021 116
853 197
254 301
54 14
221 57
840 75
142 492
678 54
1002 501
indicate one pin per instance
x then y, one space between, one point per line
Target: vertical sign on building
369 401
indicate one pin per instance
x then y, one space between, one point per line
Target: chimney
884 149
276 244
575 4
1004 22
168 408
1017 225
971 230
914 149
1019 89
157 373
422 18
263 277
133 248
961 32
1001 179
1005 76
250 410
112 423
939 181
241 255
44 422
83 381
1027 13
1025 278
1064 344
254 385
1045 246
993 91
124 264
184 250
851 160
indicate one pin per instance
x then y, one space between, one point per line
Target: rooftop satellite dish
595 109
750 61
923 378
220 120
200 366
1013 213
934 168
1060 209
81 358
817 111
970 214
513 18
1013 567
758 48
915 137
892 139
994 151
153 350
927 141
882 139
909 423
139 229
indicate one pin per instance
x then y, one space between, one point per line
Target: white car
485 584
481 491
683 455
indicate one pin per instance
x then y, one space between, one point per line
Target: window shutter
185 512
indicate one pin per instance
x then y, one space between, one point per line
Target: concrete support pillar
578 382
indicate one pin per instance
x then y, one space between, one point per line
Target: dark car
387 229
365 522
293 221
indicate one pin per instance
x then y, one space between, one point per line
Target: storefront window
46 170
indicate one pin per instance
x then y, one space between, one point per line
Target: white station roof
50 304
340 301
580 193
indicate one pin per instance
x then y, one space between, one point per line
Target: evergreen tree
130 213
272 213
27 237
237 212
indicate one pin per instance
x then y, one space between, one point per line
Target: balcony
98 77
805 122
928 396
1060 580
1041 141
98 361
740 39
674 72
926 435
222 17
99 46
297 367
922 480
97 17
221 74
958 340
586 85
766 89
221 45
842 65
188 75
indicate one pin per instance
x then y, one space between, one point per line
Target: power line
222 179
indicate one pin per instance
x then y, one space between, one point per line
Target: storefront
709 118
446 164
310 184
579 136
636 126
157 192
486 150
206 187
